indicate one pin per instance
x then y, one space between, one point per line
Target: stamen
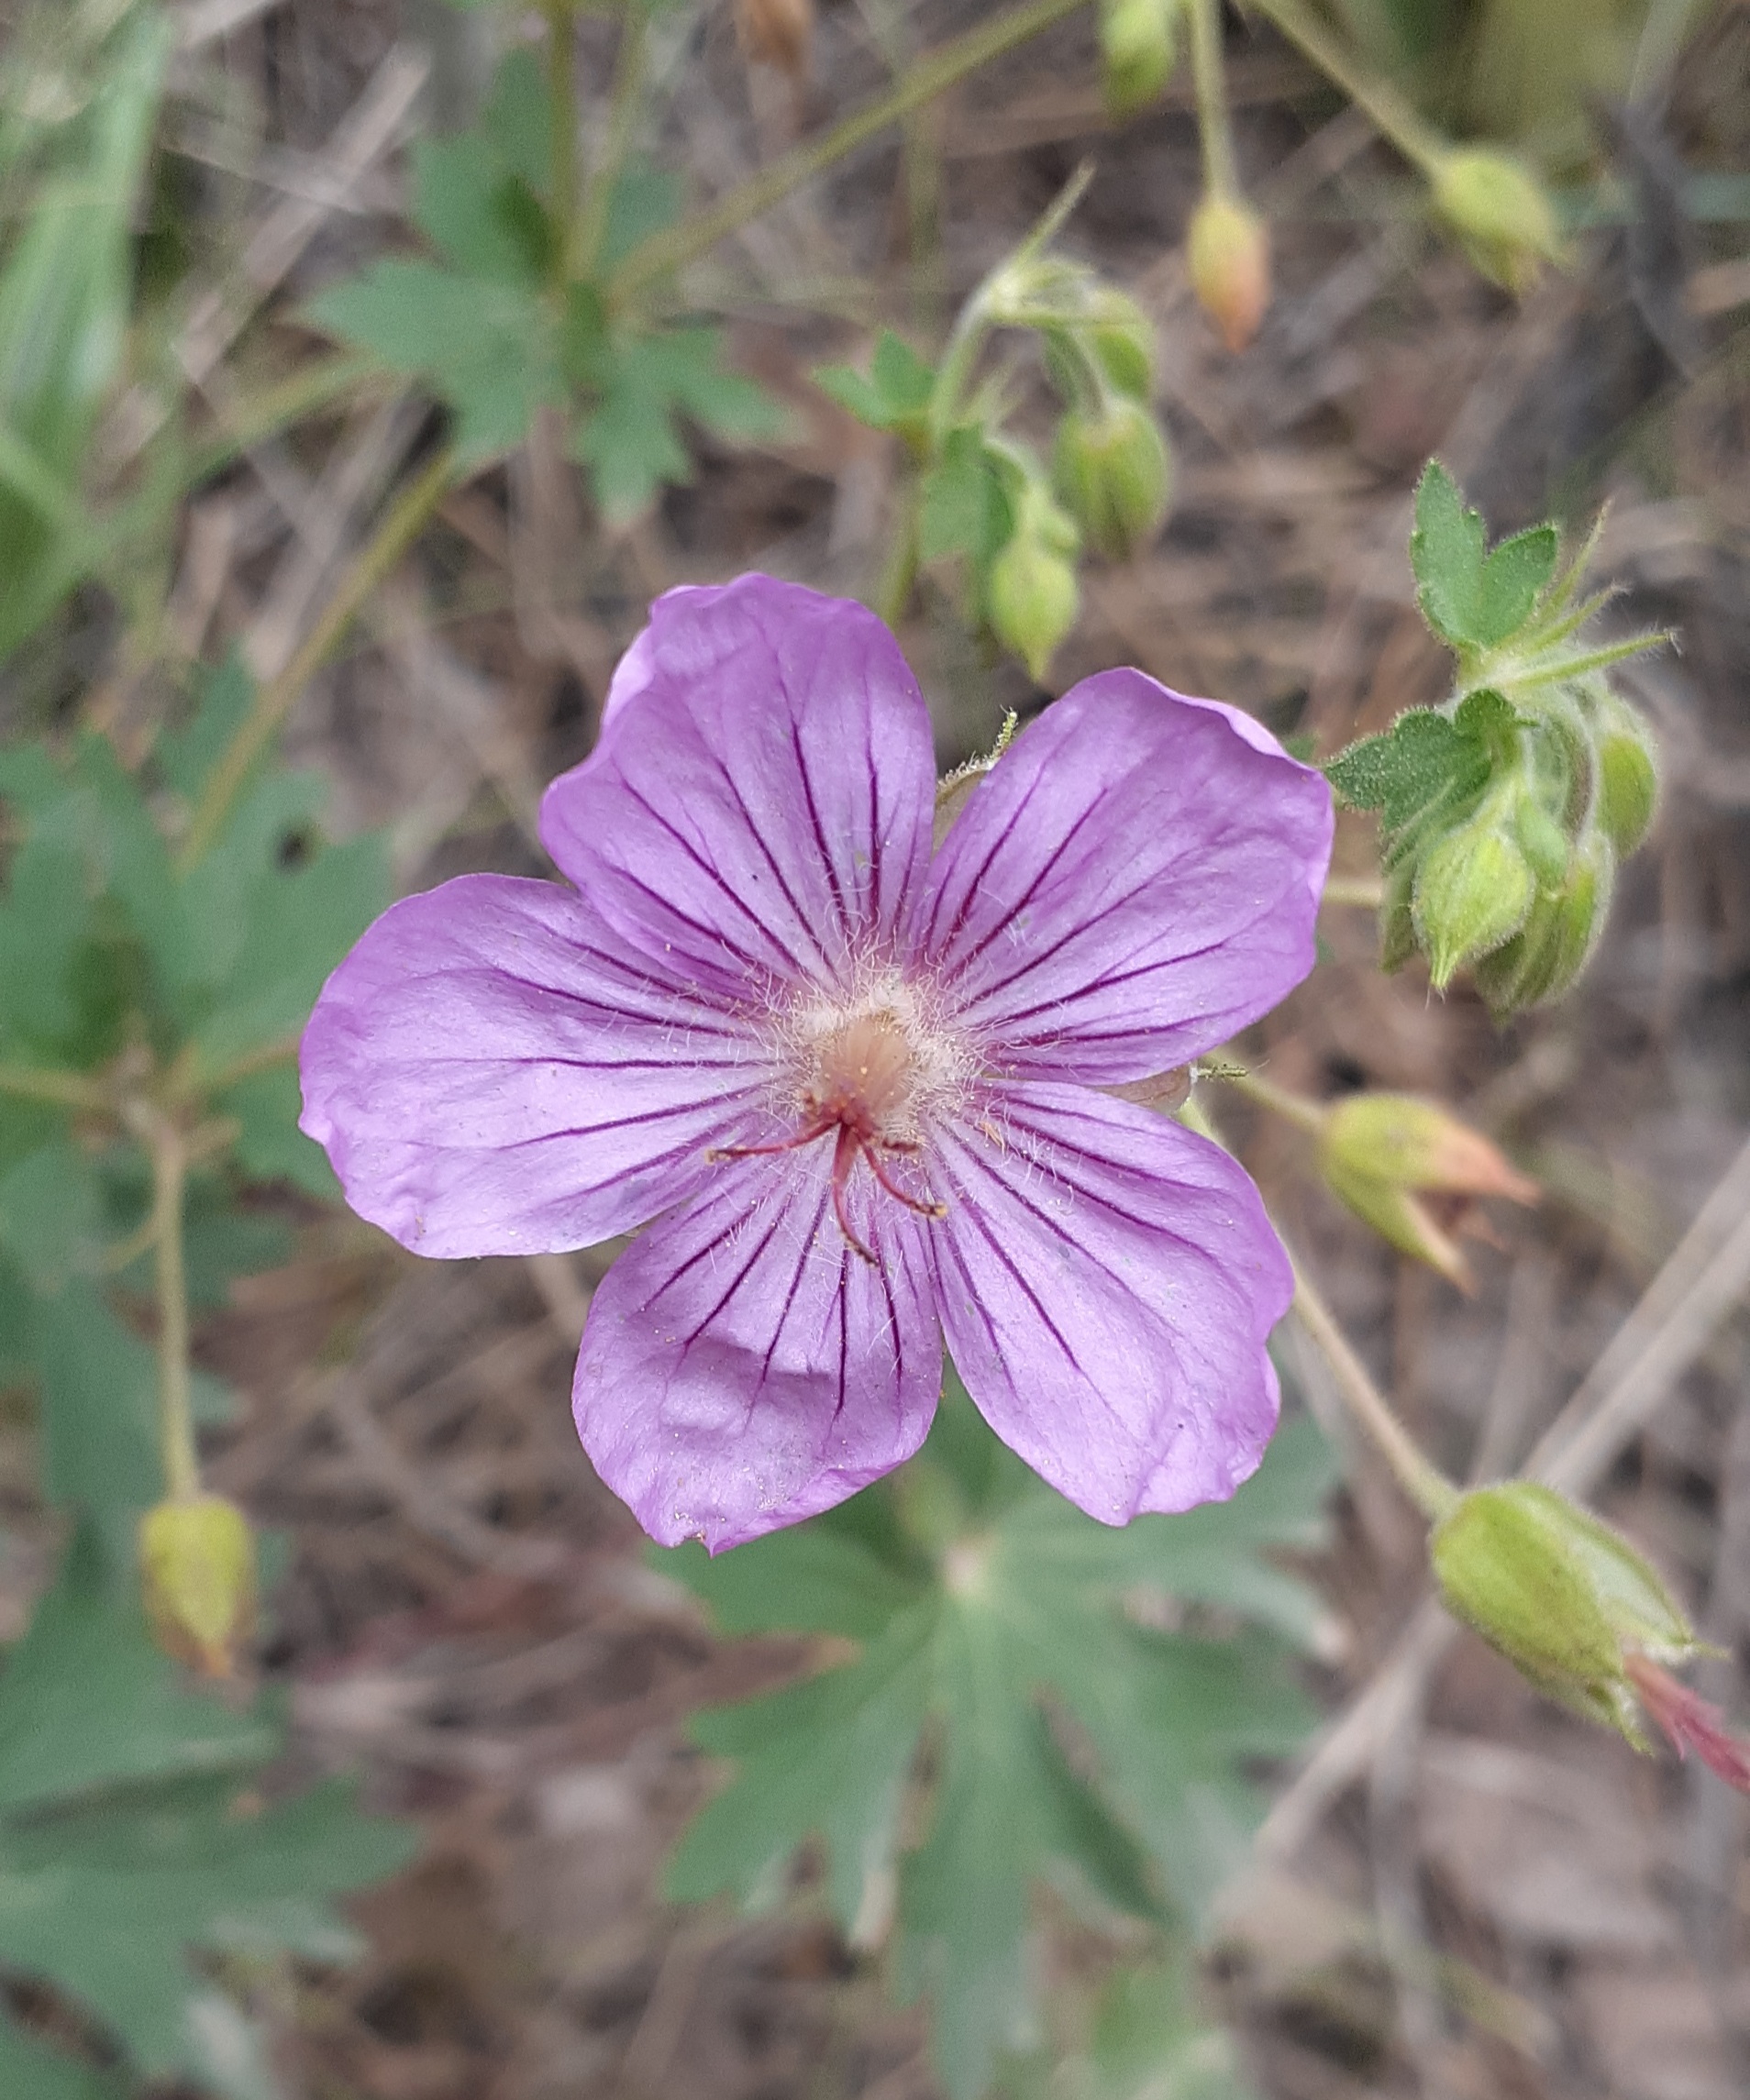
844 1158
925 1208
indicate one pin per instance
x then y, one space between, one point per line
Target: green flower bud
1228 252
1121 339
1566 1599
1500 214
1557 941
1380 1153
1628 782
1542 840
1031 599
197 1570
1136 51
1472 893
1113 470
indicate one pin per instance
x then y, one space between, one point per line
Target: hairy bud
1121 339
1136 51
1559 1594
1628 781
1473 890
1500 214
1114 470
1382 1153
776 33
1031 597
1548 953
198 1569
1229 257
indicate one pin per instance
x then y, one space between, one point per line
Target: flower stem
1214 132
58 1089
667 251
175 1410
893 593
1392 116
561 121
407 518
1367 892
605 173
1292 1108
1421 1480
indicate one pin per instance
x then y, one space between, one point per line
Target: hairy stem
1292 1108
1392 116
561 119
893 593
407 517
1365 891
666 251
1421 1480
57 1090
604 171
175 1410
1214 132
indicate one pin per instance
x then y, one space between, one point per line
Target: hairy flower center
866 1081
861 1079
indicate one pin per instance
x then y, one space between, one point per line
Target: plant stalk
667 251
407 518
175 1406
1390 115
58 1089
1421 1480
1213 129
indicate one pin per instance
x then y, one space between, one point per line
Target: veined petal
493 1071
1107 1279
1134 880
743 1368
759 806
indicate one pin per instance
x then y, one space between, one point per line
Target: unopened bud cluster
197 1575
1138 42
1111 474
1507 812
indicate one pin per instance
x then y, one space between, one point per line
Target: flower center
862 1076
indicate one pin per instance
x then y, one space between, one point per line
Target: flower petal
1136 879
1107 1280
743 1368
759 801
492 1072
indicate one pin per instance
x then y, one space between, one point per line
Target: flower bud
776 33
1031 598
1229 255
1542 840
1628 782
197 1568
1500 214
1136 51
1113 470
1380 1152
1566 1599
1122 337
1548 953
1472 892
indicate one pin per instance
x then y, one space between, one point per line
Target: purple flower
858 1094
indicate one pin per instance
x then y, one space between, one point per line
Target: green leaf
645 200
51 1215
896 394
222 699
1148 2042
99 1404
89 1705
517 118
1423 763
1474 600
630 442
486 346
475 213
827 1757
30 2070
964 508
1000 1632
125 1842
270 1145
